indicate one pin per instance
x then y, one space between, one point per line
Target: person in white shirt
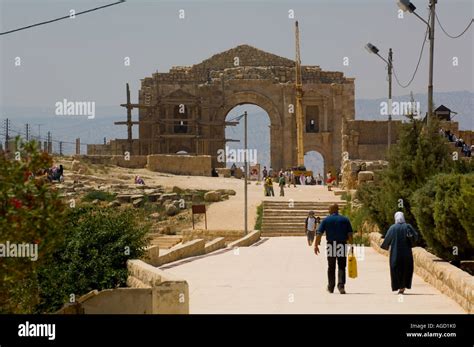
310 225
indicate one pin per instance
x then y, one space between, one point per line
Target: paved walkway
283 275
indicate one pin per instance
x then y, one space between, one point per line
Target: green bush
31 212
443 212
97 244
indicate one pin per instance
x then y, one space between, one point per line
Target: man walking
338 231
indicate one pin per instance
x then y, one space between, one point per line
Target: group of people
288 178
399 239
55 173
458 142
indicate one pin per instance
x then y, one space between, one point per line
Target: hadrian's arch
255 98
207 91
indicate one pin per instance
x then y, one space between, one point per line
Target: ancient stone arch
254 98
244 75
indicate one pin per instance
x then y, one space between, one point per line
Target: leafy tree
31 212
443 212
419 154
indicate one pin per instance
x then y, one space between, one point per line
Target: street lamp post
246 172
406 5
372 49
244 115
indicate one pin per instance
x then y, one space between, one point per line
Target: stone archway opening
314 161
258 137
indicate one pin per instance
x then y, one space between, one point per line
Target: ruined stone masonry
184 110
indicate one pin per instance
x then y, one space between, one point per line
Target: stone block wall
180 164
134 162
209 235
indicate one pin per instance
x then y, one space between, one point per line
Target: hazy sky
82 58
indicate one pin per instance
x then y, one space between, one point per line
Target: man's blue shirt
336 227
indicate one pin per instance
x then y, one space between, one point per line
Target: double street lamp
407 6
244 116
372 49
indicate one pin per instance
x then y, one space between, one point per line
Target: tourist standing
292 179
319 179
400 238
281 184
270 186
338 232
264 172
310 227
302 179
266 190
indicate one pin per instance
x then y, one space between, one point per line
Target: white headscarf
399 217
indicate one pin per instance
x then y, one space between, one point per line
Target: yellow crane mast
299 97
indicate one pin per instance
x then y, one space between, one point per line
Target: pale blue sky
82 59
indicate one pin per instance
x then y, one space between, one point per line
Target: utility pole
299 98
27 132
78 146
7 133
50 143
430 82
389 124
245 173
39 133
61 148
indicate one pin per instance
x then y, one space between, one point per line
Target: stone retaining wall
450 280
134 162
149 291
247 240
214 245
193 165
185 250
209 235
152 255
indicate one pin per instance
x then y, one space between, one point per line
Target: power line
61 18
453 36
417 64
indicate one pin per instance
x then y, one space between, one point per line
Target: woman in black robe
400 238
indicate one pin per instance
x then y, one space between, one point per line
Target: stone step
285 213
283 229
166 242
295 206
313 203
281 233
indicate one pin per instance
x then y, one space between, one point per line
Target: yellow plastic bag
352 264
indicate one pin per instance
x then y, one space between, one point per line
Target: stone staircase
166 241
279 219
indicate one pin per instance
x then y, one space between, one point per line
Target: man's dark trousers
336 252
